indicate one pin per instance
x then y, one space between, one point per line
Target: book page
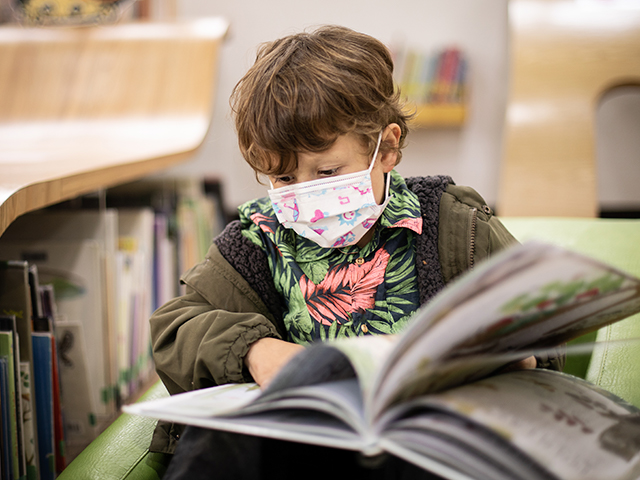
326 380
207 402
329 414
341 399
572 428
338 359
367 356
534 296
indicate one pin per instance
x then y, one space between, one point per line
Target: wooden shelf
87 108
439 115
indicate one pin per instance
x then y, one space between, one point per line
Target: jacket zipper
473 220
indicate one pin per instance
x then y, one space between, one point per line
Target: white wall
618 149
470 154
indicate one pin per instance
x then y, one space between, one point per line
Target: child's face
346 155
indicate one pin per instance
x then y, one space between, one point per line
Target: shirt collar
403 209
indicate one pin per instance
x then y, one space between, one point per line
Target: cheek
377 180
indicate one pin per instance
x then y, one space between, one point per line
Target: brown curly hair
306 89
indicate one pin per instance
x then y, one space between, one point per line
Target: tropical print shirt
343 292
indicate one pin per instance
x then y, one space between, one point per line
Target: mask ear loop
375 154
388 175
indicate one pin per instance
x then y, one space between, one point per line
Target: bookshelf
439 115
434 85
86 109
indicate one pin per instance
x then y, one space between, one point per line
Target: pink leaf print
344 290
261 220
414 224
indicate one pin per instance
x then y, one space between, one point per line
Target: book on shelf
45 297
13 457
80 423
28 425
75 251
43 386
8 459
134 267
76 269
442 91
165 266
196 217
433 79
44 312
58 418
437 394
16 301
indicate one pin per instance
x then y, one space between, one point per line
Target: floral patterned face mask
333 212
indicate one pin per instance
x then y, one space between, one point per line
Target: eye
328 173
285 179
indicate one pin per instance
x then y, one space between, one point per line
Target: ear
390 139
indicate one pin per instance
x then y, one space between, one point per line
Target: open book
434 396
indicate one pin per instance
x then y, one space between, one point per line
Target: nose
301 178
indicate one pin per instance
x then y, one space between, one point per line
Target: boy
342 246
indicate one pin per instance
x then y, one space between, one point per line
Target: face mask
333 212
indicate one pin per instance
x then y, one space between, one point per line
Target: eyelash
328 173
283 179
324 173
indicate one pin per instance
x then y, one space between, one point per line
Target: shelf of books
433 85
439 115
82 263
78 283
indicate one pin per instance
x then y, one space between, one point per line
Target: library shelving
83 110
434 85
439 115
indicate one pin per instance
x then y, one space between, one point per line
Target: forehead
346 148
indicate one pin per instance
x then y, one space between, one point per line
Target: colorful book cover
428 77
45 325
76 271
165 265
7 351
82 298
136 242
8 461
28 427
58 420
34 285
15 299
43 383
79 414
459 92
445 74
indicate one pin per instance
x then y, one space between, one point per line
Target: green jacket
201 338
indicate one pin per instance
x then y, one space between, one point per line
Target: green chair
612 366
122 450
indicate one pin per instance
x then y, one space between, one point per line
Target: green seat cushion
122 450
612 366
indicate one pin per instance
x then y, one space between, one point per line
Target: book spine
31 457
446 74
58 425
9 437
44 404
7 354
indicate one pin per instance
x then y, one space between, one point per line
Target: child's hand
267 356
525 363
